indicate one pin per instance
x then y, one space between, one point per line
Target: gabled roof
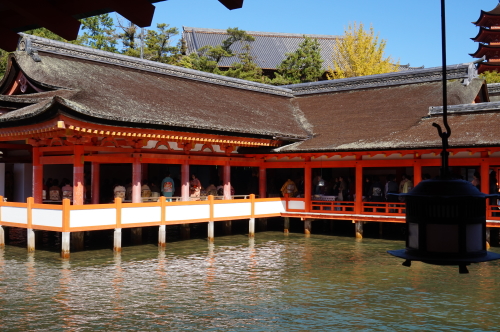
112 88
269 48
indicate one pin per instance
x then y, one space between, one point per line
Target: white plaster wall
274 207
296 205
134 215
187 212
51 218
97 217
14 214
232 210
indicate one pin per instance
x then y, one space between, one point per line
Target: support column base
65 244
262 224
251 228
286 226
162 236
227 227
359 229
31 240
117 240
77 243
307 226
185 231
2 237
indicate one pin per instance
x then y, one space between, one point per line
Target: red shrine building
489 40
94 117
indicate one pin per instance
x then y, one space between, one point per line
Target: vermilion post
185 181
262 182
227 180
359 188
96 175
307 187
78 181
417 172
37 176
136 181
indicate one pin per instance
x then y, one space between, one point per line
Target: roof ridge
465 71
262 33
32 44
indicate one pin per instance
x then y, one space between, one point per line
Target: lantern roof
489 18
487 35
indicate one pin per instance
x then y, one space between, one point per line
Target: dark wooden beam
232 4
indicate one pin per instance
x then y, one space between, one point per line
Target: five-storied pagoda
489 40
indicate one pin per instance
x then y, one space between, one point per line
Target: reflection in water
271 282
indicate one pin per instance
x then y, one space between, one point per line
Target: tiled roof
269 48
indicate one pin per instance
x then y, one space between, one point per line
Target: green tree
246 69
303 65
158 46
360 53
128 37
3 62
491 76
98 33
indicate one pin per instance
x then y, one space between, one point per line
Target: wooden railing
383 208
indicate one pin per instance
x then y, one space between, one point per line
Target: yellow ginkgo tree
360 52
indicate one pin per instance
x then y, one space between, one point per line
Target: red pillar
485 176
96 175
262 182
136 181
37 176
417 172
227 180
185 181
78 181
358 204
308 185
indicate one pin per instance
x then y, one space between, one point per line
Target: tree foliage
3 62
99 33
491 76
360 52
303 65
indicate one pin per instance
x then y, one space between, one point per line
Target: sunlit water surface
275 283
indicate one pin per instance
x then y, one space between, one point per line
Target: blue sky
411 28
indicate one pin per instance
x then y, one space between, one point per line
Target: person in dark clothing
493 187
366 187
376 192
392 188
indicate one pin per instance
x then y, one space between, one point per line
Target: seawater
272 283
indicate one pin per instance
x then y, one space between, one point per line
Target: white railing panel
137 215
232 210
187 212
273 207
92 217
49 218
296 205
18 215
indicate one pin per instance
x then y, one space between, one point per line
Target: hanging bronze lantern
445 218
445 224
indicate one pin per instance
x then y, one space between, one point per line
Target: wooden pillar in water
185 231
488 237
307 226
30 235
485 188
31 240
262 224
117 240
65 244
251 227
287 225
210 230
162 236
380 229
359 229
227 227
2 237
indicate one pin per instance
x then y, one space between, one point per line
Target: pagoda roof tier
488 66
489 19
489 51
487 36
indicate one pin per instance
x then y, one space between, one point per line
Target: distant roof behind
269 48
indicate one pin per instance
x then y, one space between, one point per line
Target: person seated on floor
67 190
55 192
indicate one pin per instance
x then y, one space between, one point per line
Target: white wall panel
137 215
296 205
51 218
97 217
187 212
273 207
14 214
232 210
